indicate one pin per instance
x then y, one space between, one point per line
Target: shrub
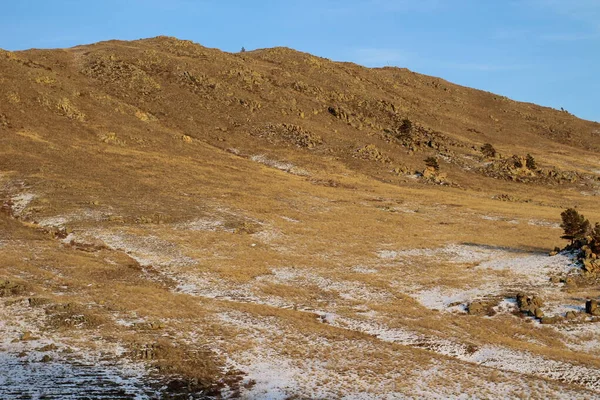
406 126
432 163
488 150
530 162
575 225
517 161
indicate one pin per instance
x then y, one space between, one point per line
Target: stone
555 279
48 347
476 308
571 315
591 306
570 282
538 313
549 320
46 358
482 307
529 304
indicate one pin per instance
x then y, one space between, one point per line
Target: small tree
243 50
530 162
488 150
595 245
575 225
432 163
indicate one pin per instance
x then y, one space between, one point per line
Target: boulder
570 282
571 315
550 320
588 266
530 305
482 307
591 306
476 308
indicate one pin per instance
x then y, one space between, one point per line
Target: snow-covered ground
36 364
488 271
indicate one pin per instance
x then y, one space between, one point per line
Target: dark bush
406 126
530 162
488 150
517 162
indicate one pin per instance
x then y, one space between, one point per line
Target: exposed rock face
433 175
371 153
291 134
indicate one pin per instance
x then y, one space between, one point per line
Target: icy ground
40 366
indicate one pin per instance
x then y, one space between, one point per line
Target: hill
265 224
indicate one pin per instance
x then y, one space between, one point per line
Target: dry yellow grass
179 215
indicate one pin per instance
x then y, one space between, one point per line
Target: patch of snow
453 252
387 254
538 222
507 305
60 221
280 165
289 219
70 371
20 202
536 268
450 299
491 218
203 224
361 269
498 357
347 290
268 235
146 250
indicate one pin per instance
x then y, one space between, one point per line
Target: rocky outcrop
530 305
291 134
370 152
482 307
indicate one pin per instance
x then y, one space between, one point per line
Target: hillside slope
263 224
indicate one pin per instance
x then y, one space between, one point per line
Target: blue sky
541 51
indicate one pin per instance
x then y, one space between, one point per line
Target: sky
540 51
